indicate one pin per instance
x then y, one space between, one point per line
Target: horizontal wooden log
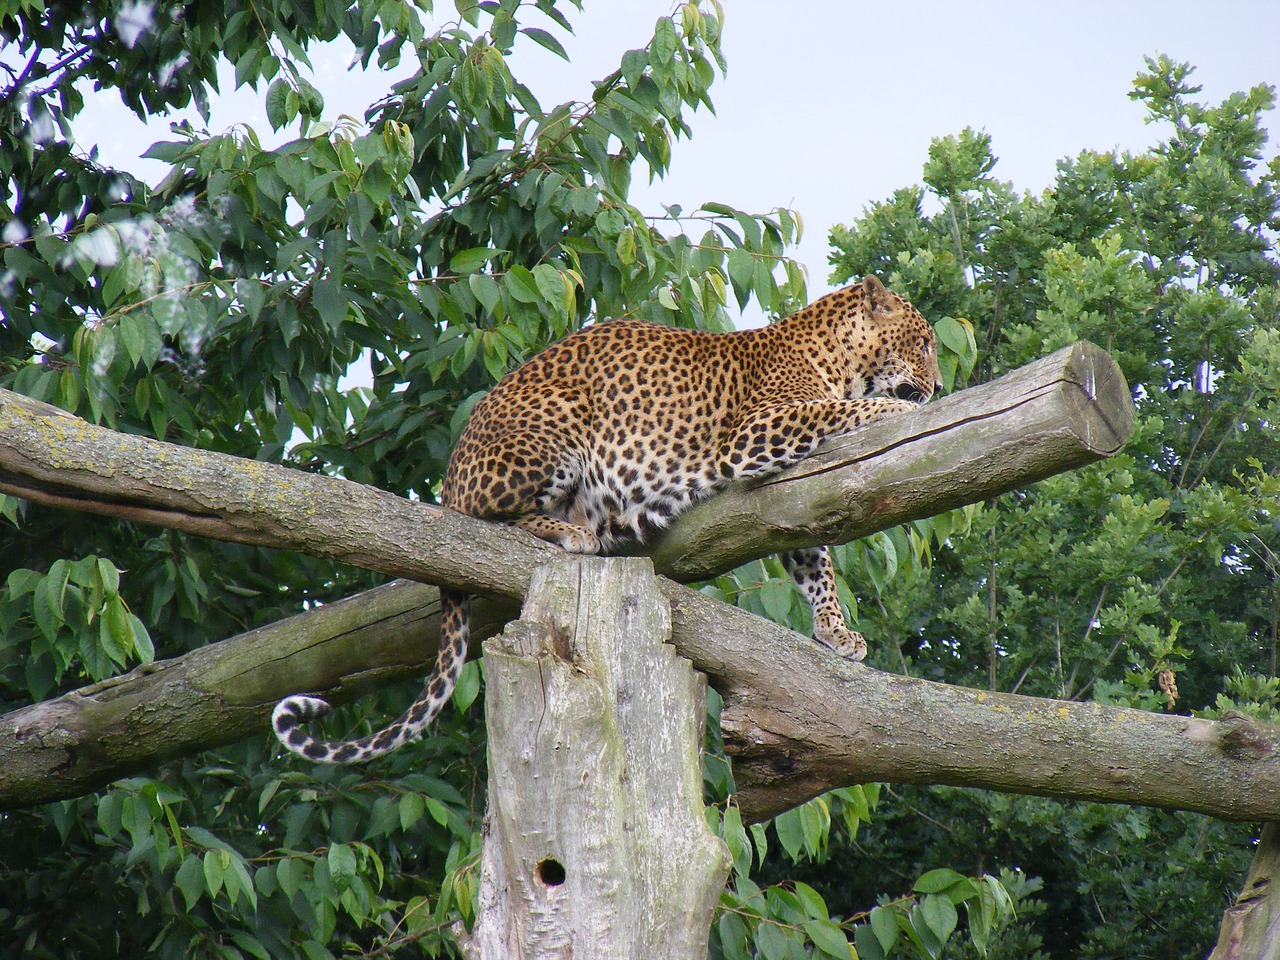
797 719
1058 413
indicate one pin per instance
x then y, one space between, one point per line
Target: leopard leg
777 435
531 480
812 571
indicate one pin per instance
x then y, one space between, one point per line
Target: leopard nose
909 392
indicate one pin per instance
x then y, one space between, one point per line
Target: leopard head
906 361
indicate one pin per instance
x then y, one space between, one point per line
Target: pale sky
829 106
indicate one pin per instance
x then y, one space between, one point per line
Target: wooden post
596 843
1251 926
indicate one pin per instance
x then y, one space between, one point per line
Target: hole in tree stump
551 872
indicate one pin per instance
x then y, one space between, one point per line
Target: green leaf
109 641
108 575
277 103
884 925
439 812
469 10
330 303
734 936
550 284
310 100
815 820
110 807
742 272
487 291
119 628
828 938
267 794
22 581
772 941
760 838
812 901
167 151
411 809
866 942
938 881
238 881
790 830
342 862
190 880
290 874
468 686
469 261
939 913
545 39
215 866
776 596
143 648
55 588
47 622
735 837
626 247
521 285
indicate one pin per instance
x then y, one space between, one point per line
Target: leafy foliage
459 228
1090 584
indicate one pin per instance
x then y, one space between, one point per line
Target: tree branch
798 720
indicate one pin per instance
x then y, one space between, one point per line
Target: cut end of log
1100 402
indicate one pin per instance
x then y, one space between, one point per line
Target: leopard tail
291 714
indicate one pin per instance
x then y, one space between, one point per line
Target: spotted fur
607 435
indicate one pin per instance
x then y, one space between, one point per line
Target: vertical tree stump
596 843
1251 926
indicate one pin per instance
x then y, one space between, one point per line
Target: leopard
605 437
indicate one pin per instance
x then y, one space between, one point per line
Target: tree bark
1251 926
798 719
596 844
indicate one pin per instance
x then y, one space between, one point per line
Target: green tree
459 228
1089 584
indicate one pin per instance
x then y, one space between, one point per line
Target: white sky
830 105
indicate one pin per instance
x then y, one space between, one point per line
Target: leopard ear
875 293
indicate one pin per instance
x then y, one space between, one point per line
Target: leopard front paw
580 541
894 407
